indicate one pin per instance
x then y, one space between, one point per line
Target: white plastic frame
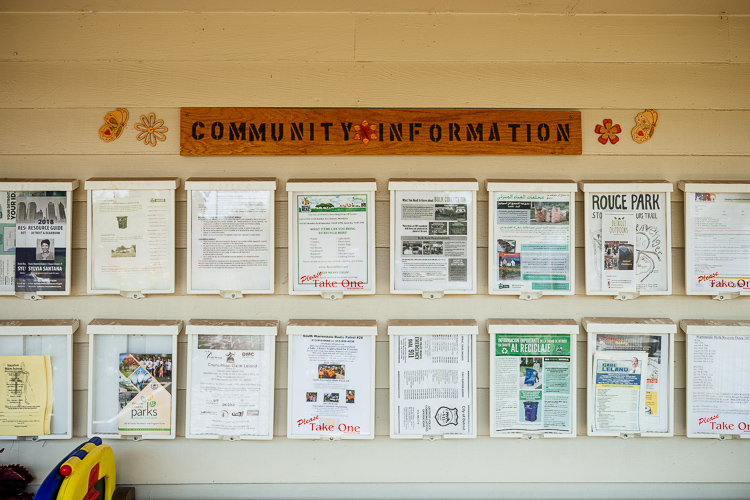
626 326
268 329
130 328
530 186
168 185
213 184
691 187
433 185
693 327
17 332
67 185
295 187
658 186
296 327
523 327
429 328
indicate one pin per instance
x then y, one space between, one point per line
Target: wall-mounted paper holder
29 296
230 294
530 295
132 295
332 295
627 295
433 295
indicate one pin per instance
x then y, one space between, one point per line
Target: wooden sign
353 131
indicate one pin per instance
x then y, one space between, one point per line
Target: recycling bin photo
530 408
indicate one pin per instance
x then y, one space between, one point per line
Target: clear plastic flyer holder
331 383
45 243
331 237
432 364
529 219
230 379
718 378
132 378
433 235
53 338
655 338
131 236
627 262
230 235
523 354
717 232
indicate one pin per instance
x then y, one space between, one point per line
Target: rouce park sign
358 131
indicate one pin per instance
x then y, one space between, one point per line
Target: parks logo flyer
145 398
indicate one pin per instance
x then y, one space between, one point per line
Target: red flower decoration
608 132
365 132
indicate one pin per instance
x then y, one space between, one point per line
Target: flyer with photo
432 384
650 252
230 385
231 240
331 385
332 243
532 241
618 251
434 235
619 391
145 394
719 259
656 347
131 243
41 241
718 381
533 383
8 213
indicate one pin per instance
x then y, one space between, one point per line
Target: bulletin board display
532 377
630 371
432 378
718 378
531 248
29 345
717 235
331 237
628 238
36 227
132 378
331 379
230 379
131 236
433 236
230 236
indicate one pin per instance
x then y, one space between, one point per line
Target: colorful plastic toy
86 473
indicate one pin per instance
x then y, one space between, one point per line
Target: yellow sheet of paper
25 395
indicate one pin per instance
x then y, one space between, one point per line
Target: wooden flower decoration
645 126
608 132
150 130
365 132
114 123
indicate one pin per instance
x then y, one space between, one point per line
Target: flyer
620 391
131 244
331 385
618 251
145 394
332 242
533 383
8 212
25 395
432 383
231 240
230 385
719 241
434 235
718 384
656 347
41 241
651 248
532 241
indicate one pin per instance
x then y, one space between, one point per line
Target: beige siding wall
63 68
